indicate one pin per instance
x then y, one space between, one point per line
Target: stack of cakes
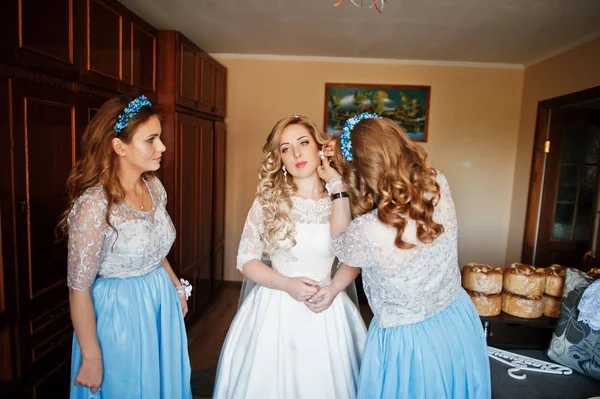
523 289
555 281
484 285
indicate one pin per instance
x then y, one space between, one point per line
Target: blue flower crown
346 143
130 111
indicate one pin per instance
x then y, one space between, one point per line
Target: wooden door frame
538 163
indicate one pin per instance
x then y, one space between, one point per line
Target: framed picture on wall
406 105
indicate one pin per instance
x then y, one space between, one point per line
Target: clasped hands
310 292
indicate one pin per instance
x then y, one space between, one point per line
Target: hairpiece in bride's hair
346 143
296 116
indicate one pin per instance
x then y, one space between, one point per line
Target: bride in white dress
297 334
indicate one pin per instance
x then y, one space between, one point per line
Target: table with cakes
518 305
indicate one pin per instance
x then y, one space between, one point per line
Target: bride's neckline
308 199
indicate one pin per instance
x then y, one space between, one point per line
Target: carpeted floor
202 383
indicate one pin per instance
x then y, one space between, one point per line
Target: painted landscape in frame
406 105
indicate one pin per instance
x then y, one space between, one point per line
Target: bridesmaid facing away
426 339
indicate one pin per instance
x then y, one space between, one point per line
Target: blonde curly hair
274 192
390 173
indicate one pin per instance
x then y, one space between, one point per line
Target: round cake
551 306
524 280
555 280
486 305
482 278
522 306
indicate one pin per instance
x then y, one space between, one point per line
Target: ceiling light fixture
382 2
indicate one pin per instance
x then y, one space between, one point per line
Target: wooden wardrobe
59 61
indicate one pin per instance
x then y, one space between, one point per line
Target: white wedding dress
276 348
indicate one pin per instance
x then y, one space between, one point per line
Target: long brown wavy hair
390 172
99 162
273 191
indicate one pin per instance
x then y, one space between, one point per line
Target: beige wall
474 117
568 72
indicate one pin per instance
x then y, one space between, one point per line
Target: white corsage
185 289
333 184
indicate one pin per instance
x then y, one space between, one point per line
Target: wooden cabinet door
219 183
200 82
39 34
193 209
187 67
143 58
8 292
205 216
45 139
188 138
8 289
107 45
120 49
220 90
46 127
206 187
7 318
219 204
205 82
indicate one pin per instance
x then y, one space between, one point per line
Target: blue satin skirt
142 338
444 356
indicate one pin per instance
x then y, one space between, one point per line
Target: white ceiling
479 31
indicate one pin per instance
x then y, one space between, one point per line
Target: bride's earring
284 174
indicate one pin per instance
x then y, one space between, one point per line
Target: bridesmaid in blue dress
127 305
426 339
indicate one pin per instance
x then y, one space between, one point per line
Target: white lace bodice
141 240
311 256
404 285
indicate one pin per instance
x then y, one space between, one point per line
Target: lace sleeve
87 227
251 245
353 247
158 191
447 214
